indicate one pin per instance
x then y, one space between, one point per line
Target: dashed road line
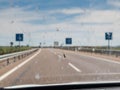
74 67
59 56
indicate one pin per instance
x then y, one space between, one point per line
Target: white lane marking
53 52
74 67
19 66
89 74
102 59
59 52
59 56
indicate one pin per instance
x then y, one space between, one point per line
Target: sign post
68 41
108 36
19 38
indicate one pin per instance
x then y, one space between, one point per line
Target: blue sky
56 4
85 21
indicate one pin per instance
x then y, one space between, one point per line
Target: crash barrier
102 51
14 57
115 53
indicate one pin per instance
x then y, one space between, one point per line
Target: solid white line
102 59
74 67
53 52
91 74
19 66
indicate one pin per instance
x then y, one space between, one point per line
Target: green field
7 49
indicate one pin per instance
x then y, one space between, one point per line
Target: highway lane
49 66
93 68
87 62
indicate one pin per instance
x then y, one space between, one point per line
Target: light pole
56 43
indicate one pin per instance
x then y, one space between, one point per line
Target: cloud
99 16
69 11
19 14
89 27
115 3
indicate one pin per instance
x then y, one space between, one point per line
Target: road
49 66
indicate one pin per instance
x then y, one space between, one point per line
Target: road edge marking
100 58
103 59
19 66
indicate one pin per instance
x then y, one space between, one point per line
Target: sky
46 21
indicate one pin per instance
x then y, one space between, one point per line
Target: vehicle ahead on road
59 44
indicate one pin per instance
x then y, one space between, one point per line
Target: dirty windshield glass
59 41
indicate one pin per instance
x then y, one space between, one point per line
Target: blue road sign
19 37
68 40
108 35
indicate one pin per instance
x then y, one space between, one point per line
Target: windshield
59 41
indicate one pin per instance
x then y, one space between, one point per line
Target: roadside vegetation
8 49
103 47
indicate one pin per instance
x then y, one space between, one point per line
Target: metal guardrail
93 50
14 54
10 58
102 51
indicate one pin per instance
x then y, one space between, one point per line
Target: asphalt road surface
53 66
